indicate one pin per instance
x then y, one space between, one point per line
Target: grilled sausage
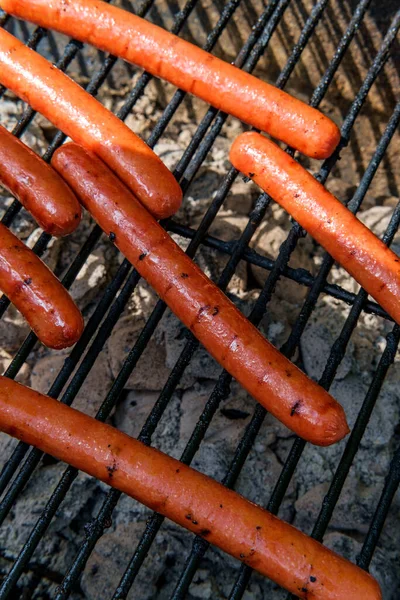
37 293
224 331
85 120
187 497
37 186
354 246
193 70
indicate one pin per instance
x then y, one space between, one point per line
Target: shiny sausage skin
186 66
38 295
196 502
89 123
37 186
237 345
354 246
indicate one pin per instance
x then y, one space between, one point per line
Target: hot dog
193 70
354 246
37 186
236 344
193 500
85 120
37 293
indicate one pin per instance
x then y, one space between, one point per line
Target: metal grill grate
20 466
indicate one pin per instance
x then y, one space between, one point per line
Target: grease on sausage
37 293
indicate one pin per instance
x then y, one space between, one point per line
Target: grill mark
295 408
169 287
205 532
111 469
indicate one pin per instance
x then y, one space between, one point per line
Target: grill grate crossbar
391 486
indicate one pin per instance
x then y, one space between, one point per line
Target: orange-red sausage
37 186
37 293
236 344
85 120
191 499
354 246
188 67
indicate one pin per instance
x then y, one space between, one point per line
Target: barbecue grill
261 24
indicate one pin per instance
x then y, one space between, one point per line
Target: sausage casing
37 293
37 186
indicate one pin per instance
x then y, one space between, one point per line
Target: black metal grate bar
378 520
299 275
109 309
